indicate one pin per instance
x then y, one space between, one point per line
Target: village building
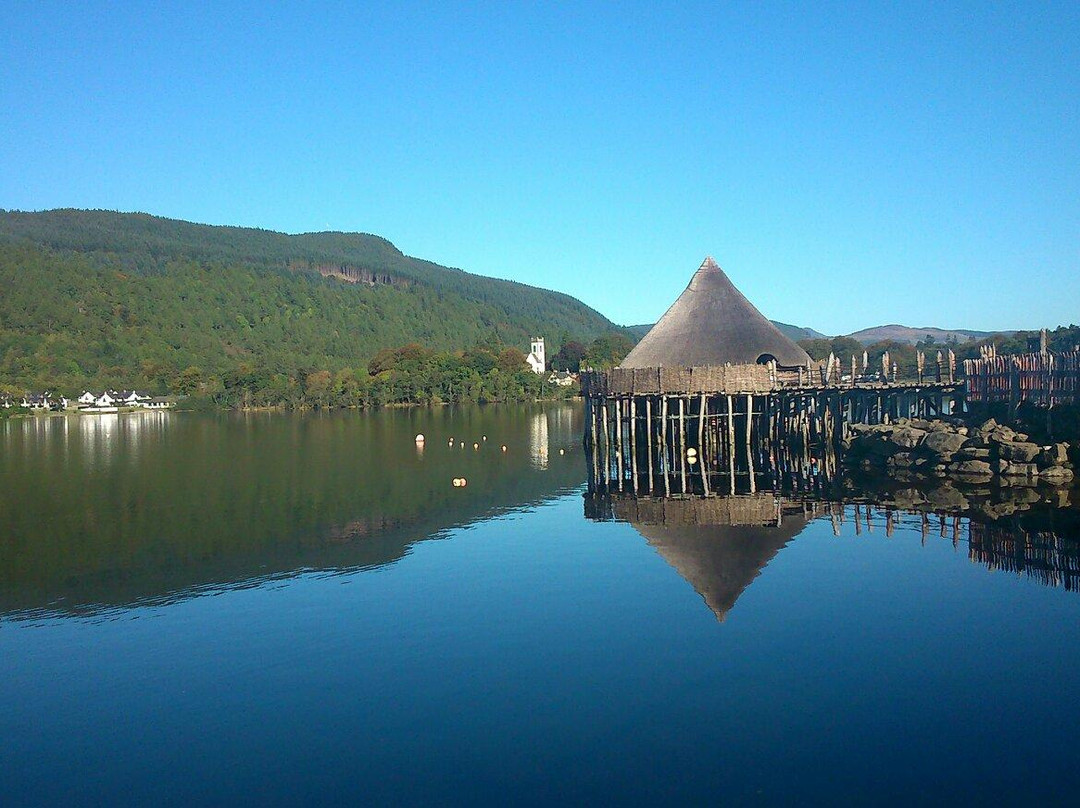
562 378
536 359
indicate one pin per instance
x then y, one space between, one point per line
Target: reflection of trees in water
106 510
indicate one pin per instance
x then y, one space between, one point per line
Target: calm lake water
277 609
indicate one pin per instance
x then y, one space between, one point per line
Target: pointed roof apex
712 323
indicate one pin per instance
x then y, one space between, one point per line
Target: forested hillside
89 298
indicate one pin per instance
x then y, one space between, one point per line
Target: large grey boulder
943 444
973 468
907 437
1018 452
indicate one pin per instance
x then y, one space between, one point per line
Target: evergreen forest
246 317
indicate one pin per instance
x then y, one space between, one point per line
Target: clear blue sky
848 165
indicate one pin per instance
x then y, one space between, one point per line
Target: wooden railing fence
1043 379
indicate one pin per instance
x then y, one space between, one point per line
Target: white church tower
536 359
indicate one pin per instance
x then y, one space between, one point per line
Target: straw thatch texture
712 324
646 380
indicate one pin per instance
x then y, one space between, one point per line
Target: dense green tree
607 351
569 356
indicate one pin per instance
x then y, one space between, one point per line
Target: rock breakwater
951 447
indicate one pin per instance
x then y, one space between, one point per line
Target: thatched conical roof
713 324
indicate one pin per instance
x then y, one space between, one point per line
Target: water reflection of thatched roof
712 323
718 545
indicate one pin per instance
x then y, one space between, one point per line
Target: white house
562 378
536 359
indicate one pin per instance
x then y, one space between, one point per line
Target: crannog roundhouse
710 324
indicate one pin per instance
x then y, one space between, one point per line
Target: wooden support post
749 445
666 466
682 442
633 445
731 441
607 444
620 449
591 417
649 440
702 454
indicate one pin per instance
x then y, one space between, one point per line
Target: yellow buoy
691 460
456 482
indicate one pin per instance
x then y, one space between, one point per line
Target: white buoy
485 437
420 438
562 451
464 482
691 452
504 448
691 460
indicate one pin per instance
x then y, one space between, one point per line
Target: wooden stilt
702 454
749 432
607 444
649 439
666 466
620 449
682 442
731 441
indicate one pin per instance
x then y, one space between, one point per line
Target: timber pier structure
709 430
714 397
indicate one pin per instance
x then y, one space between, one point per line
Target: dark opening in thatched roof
713 324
